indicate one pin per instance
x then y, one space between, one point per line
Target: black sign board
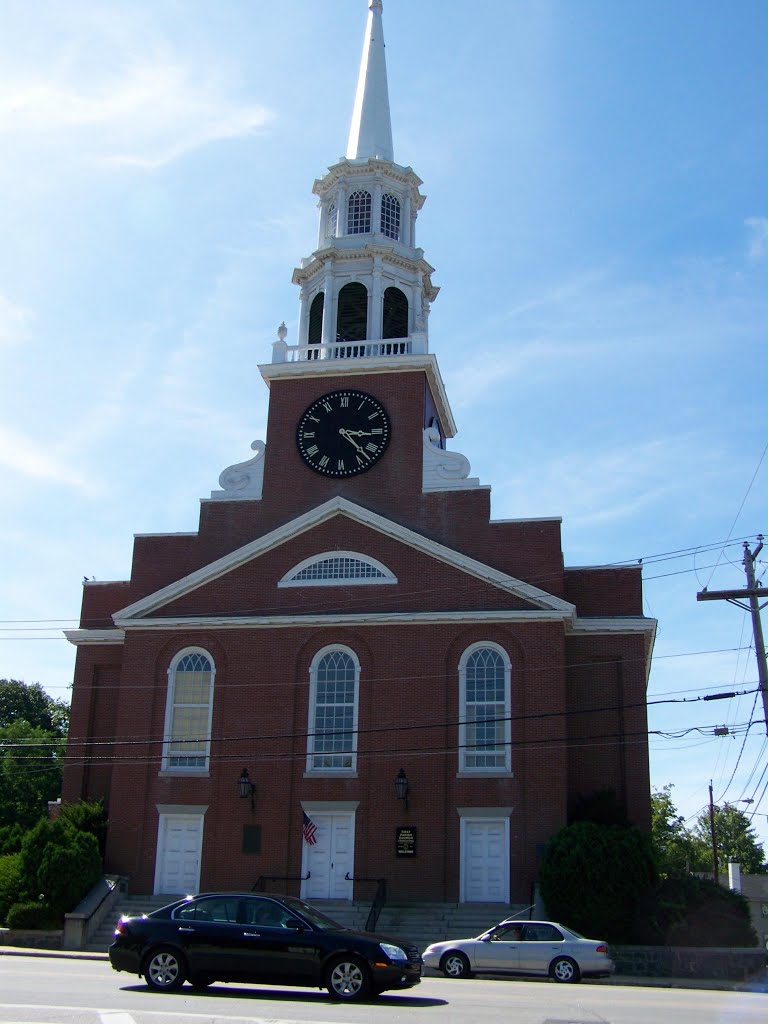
405 841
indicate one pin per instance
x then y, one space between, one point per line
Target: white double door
330 861
485 860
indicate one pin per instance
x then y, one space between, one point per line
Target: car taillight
602 948
120 928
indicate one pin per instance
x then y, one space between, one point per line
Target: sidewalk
758 983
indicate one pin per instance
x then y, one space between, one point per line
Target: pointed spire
370 134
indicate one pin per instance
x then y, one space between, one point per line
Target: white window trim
289 581
311 753
463 768
166 768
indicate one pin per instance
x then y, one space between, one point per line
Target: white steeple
366 290
370 134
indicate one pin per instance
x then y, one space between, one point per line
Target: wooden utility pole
713 833
752 593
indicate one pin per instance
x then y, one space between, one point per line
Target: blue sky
596 215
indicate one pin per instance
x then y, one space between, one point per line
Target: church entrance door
179 850
484 860
329 860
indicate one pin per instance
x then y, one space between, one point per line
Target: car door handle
251 935
186 929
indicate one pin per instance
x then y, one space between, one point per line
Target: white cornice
322 513
426 363
91 637
371 169
638 624
399 619
616 626
351 249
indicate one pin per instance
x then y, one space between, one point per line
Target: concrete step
129 906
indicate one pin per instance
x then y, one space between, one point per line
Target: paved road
47 991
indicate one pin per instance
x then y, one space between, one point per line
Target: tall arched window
484 709
315 334
395 314
390 215
359 213
332 221
352 316
334 682
187 737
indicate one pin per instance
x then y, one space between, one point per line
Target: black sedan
262 939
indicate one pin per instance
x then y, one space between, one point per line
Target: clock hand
346 434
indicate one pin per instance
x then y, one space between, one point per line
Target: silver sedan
522 947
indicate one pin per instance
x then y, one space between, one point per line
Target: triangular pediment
510 593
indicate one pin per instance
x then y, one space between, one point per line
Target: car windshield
321 921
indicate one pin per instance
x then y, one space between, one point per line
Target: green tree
58 863
675 848
594 878
87 816
31 704
736 841
30 772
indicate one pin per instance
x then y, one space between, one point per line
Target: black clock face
343 433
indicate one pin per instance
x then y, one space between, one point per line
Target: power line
15 625
73 742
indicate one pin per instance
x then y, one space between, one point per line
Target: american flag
309 828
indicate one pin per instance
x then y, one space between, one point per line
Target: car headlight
393 952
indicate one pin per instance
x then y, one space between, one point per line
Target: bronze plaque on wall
405 842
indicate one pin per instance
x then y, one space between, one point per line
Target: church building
350 671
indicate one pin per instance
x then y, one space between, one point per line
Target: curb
758 984
52 954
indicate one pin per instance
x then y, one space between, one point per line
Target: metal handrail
379 899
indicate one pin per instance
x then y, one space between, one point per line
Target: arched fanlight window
188 711
395 314
352 316
315 335
337 568
390 216
485 709
332 221
359 213
334 682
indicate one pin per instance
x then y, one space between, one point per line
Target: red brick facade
578 648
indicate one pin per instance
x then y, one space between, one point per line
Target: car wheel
164 970
455 965
564 970
347 979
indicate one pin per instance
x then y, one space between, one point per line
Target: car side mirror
294 924
486 938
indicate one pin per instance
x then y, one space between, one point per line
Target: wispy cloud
593 486
143 113
28 458
757 245
14 323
